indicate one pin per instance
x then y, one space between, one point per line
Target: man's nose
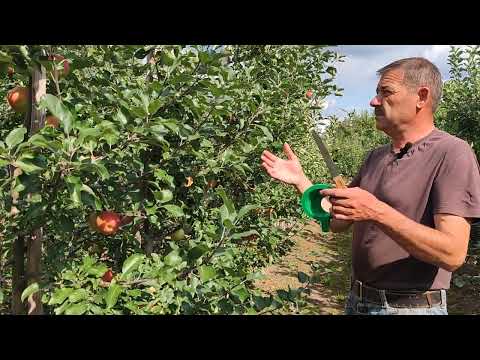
375 101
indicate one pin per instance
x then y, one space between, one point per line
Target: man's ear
423 94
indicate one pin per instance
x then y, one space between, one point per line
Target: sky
357 74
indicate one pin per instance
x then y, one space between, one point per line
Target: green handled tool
314 204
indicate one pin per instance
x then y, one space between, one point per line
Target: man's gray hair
419 72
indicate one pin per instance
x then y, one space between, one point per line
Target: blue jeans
355 307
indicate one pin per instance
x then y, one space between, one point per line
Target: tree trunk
34 258
34 244
148 245
18 275
18 250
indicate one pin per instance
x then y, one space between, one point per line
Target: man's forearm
420 241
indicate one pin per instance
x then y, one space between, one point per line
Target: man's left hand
353 204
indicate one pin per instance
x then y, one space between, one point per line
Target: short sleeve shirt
439 174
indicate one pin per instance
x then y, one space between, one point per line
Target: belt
398 299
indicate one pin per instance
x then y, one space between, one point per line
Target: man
411 203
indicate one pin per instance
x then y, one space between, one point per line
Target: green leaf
173 258
28 167
175 210
58 109
251 311
204 57
76 309
1 296
224 214
121 118
267 132
241 292
283 295
77 295
197 251
262 302
35 198
247 148
4 162
207 272
73 179
60 295
101 170
226 200
167 58
87 189
172 125
132 263
111 137
164 177
87 133
88 262
113 293
141 53
138 111
245 209
97 270
32 289
5 57
154 106
302 277
39 140
15 137
61 309
75 193
245 234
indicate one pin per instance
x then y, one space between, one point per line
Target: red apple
108 222
309 93
18 99
59 59
108 276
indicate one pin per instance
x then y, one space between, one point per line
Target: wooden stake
34 244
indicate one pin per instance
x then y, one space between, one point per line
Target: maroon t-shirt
438 174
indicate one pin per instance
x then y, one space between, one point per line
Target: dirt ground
329 254
314 251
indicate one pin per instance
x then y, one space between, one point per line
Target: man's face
394 104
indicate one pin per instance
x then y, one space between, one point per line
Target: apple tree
144 179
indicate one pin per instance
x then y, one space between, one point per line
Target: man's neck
410 136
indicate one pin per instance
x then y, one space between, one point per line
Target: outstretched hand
288 171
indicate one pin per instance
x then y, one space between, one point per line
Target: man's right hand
288 171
